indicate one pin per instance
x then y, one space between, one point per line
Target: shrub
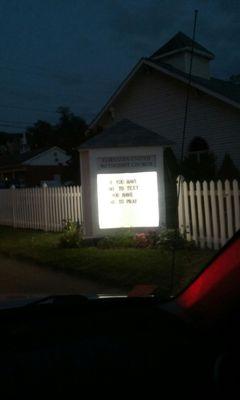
146 239
165 238
90 242
141 240
171 238
72 235
153 238
120 240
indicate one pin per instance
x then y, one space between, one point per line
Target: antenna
173 265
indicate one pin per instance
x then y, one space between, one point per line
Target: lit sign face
128 200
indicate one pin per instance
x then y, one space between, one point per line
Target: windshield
119 145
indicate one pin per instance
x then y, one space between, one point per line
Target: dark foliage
171 171
120 240
163 238
72 236
235 79
228 170
68 134
200 166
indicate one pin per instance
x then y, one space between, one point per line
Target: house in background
33 168
153 95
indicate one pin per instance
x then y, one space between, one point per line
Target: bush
72 235
121 240
141 240
171 238
165 238
148 239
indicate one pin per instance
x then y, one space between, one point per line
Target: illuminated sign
128 200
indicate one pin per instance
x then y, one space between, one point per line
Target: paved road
21 278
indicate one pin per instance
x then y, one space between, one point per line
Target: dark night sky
75 52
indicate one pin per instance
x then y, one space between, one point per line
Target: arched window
198 147
198 144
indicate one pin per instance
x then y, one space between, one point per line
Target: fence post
80 203
45 223
200 214
236 193
220 197
207 215
180 204
192 193
229 210
215 223
13 204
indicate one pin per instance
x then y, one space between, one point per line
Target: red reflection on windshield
217 287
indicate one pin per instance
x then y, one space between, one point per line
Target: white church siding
157 102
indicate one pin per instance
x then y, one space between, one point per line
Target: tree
228 169
68 134
41 134
235 79
199 166
70 129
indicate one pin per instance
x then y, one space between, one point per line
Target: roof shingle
222 87
125 133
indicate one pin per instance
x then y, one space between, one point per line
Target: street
21 278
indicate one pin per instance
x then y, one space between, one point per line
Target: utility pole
179 186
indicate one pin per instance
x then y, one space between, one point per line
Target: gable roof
16 159
218 86
29 155
125 133
179 42
225 91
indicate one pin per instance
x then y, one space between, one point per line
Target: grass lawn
122 267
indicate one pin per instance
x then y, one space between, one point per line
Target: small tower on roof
177 52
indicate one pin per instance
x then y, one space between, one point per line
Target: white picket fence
40 208
208 212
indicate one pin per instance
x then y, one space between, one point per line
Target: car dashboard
128 344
